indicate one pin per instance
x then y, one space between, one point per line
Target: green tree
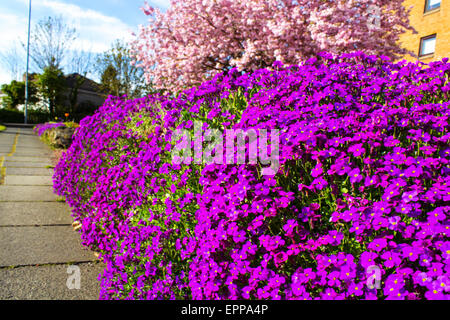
110 81
15 94
52 85
118 75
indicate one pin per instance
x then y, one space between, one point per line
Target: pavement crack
36 225
68 263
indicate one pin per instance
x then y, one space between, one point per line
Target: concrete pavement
39 250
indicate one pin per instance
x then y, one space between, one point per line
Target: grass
2 128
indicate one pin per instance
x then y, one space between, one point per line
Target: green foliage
52 85
71 124
118 75
15 94
15 116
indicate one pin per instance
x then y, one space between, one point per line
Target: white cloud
96 30
12 29
4 77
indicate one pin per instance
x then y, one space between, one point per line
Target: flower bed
57 135
357 210
42 128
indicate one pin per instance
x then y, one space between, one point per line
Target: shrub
44 128
15 116
11 116
57 134
363 187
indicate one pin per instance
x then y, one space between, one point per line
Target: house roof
88 84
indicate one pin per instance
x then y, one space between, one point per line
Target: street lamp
28 62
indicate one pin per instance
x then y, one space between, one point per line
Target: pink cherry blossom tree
195 39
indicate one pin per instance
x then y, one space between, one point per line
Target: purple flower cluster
40 129
363 185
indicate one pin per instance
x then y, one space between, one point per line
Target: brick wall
427 23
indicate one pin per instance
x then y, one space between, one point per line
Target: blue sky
98 22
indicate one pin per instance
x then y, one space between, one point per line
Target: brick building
431 19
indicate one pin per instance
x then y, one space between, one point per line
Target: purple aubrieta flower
368 259
290 226
394 223
357 150
411 253
356 289
378 244
355 175
280 258
425 260
410 196
391 259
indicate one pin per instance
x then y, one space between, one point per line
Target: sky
98 22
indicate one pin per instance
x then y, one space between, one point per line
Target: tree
118 74
12 59
52 85
80 61
110 81
50 41
195 39
15 94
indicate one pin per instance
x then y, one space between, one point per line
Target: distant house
89 93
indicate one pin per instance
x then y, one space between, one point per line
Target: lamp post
28 62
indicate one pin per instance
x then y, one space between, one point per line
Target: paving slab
10 131
34 214
25 164
28 181
22 246
32 154
31 149
50 282
6 138
26 193
29 171
31 143
27 159
25 138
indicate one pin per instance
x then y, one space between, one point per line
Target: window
427 45
432 4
